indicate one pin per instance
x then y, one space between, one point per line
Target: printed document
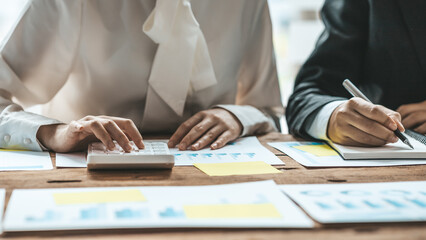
361 202
242 205
319 154
15 160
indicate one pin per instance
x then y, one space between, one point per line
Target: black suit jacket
380 45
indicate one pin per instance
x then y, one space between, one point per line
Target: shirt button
27 141
6 138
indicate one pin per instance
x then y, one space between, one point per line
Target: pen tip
409 144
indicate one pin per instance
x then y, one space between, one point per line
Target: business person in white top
115 70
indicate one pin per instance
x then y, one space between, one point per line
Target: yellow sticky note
12 150
131 195
317 150
264 210
236 168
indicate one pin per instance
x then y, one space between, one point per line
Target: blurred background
296 26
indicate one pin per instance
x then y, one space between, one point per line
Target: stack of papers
318 154
243 205
363 202
396 150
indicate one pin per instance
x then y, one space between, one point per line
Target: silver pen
354 91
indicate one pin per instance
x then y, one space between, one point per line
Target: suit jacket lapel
414 14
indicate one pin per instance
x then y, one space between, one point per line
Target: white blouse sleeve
258 103
319 126
35 61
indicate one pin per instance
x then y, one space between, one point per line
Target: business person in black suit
380 45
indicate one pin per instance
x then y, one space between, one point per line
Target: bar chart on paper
247 149
244 205
364 202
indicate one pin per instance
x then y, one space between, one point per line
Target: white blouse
91 57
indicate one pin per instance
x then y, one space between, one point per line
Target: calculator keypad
151 148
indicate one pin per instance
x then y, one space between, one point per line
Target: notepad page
396 150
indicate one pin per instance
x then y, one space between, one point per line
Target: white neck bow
182 57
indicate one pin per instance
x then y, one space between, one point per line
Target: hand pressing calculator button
156 154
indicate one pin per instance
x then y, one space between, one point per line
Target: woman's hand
78 134
414 116
215 126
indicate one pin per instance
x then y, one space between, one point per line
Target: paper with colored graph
12 160
242 205
246 149
361 202
2 196
71 160
236 168
319 154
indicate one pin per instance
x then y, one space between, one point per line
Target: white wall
296 26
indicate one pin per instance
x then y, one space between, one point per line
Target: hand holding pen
358 122
354 91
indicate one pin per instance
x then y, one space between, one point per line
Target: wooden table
293 173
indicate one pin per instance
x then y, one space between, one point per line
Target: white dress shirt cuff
18 130
318 128
252 119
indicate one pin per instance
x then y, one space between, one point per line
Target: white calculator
156 154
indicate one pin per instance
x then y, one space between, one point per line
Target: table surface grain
293 173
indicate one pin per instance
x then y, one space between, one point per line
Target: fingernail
195 146
141 143
79 126
182 146
214 146
392 126
128 148
395 139
111 145
171 144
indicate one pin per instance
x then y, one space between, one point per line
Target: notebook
418 136
396 150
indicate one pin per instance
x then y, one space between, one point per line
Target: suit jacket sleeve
338 55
